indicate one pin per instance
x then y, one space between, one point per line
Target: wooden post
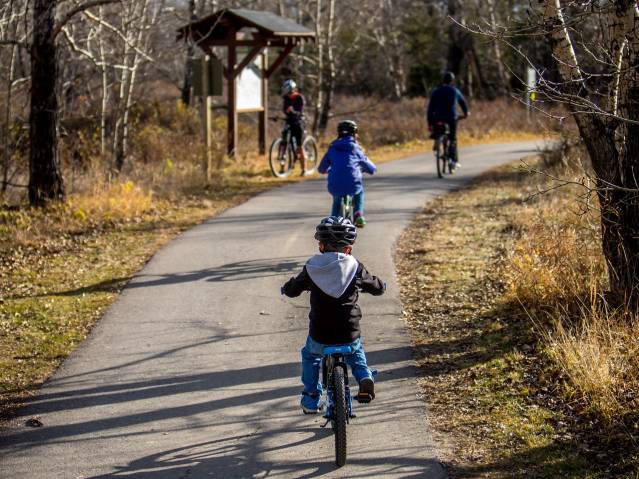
263 120
232 93
204 79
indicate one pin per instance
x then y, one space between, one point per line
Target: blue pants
312 354
358 205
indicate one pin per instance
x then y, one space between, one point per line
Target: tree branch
78 9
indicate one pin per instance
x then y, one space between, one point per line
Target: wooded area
81 72
106 57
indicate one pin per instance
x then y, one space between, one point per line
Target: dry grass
527 370
557 272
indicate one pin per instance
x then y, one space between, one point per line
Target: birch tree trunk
188 65
328 84
319 99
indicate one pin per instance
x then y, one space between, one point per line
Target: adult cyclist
442 108
293 108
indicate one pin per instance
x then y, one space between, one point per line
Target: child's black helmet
336 231
346 128
448 78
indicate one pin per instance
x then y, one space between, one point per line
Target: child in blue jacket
344 162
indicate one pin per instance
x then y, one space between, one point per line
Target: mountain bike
283 152
441 147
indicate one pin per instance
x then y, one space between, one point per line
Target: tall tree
611 131
45 178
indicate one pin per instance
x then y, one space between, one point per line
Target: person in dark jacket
442 108
344 162
293 108
334 278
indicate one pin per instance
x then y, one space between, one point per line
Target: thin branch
80 8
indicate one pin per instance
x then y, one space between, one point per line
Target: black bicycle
339 402
442 149
284 152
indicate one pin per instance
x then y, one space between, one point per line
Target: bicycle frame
289 142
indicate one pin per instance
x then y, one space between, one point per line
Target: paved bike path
193 372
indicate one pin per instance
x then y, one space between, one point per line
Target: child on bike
344 162
334 277
293 108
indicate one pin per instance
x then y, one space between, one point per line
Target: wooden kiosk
255 31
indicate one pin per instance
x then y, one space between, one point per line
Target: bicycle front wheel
279 159
340 415
310 151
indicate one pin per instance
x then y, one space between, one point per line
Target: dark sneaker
366 390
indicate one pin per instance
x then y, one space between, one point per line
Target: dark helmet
336 231
346 128
448 78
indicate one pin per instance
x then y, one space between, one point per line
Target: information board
249 87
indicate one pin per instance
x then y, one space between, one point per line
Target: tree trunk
45 181
329 77
319 100
612 144
188 66
455 41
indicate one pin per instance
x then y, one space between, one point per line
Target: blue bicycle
339 402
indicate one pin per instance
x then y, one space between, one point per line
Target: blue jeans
312 354
358 205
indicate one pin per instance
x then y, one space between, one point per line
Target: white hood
332 272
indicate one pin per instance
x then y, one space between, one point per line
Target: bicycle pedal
363 398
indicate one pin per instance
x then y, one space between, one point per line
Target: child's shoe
360 222
311 403
366 390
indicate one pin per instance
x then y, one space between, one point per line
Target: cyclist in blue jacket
344 162
442 108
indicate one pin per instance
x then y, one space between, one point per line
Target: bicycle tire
440 158
309 145
340 415
280 167
346 208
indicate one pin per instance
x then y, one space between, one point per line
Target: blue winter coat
442 105
344 161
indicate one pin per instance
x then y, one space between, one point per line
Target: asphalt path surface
194 371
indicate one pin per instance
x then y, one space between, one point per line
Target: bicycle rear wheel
279 159
440 158
346 208
310 151
340 415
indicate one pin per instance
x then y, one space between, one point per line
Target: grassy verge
489 340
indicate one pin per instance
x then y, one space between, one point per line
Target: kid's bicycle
339 402
283 153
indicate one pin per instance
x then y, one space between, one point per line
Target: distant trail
193 372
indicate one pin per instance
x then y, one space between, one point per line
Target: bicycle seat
328 350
